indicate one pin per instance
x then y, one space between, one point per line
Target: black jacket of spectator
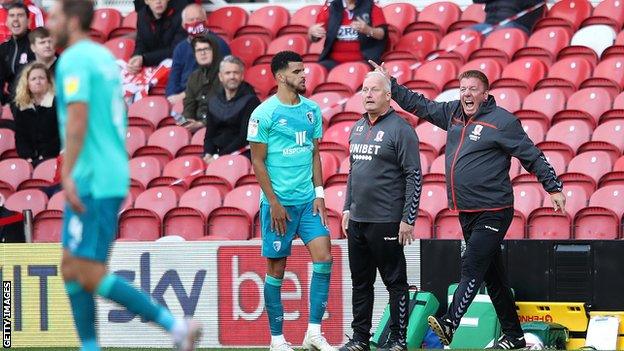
498 10
140 4
226 121
36 131
371 48
14 54
156 38
13 232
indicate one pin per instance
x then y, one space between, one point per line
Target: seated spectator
11 225
354 30
202 83
15 53
194 23
41 44
499 10
228 112
159 30
140 4
36 125
36 15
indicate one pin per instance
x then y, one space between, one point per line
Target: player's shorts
90 234
302 222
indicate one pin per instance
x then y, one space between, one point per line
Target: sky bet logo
6 314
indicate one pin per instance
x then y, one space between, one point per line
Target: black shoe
394 345
443 329
508 343
355 345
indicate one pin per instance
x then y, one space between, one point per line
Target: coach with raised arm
381 206
481 139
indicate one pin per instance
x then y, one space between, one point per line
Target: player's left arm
408 157
75 131
317 179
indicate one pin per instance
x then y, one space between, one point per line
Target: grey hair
385 81
191 6
232 59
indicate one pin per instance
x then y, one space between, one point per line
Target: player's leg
390 259
276 248
363 275
84 265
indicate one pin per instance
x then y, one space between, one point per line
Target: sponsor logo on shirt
253 128
476 132
364 151
310 117
491 228
347 33
282 122
379 136
277 245
71 85
300 138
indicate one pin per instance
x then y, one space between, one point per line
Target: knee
324 257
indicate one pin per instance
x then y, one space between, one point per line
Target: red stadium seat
569 13
261 78
399 69
438 165
7 140
541 105
447 225
143 222
143 169
267 20
609 12
609 74
507 98
179 173
47 226
502 44
229 167
135 138
602 219
335 197
347 77
345 166
354 104
433 76
31 199
418 43
164 143
570 133
544 224
586 105
128 26
527 197
567 74
188 220
619 165
473 14
400 15
612 178
248 48
315 74
611 132
338 134
523 73
301 20
228 18
463 42
592 163
291 42
432 135
105 21
121 48
545 44
234 219
433 198
45 170
198 137
436 17
329 165
152 109
330 103
423 227
489 66
57 201
14 171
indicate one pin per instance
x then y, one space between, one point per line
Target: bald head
193 13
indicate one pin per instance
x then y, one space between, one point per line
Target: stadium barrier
220 283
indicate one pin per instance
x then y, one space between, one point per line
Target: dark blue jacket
184 64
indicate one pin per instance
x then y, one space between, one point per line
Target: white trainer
285 346
316 342
193 333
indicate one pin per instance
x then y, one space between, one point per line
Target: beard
296 88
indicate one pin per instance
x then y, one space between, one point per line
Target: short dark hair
38 33
18 5
205 39
473 73
281 60
83 9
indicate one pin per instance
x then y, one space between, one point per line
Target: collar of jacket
48 101
486 107
168 13
389 112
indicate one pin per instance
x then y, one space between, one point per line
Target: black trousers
375 246
482 261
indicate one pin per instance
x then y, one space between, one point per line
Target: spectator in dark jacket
202 83
499 10
159 30
36 125
228 112
194 23
140 4
15 53
41 44
354 30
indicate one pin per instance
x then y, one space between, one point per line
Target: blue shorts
303 223
90 234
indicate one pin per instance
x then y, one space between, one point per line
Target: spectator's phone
179 119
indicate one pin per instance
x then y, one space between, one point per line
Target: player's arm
75 131
409 159
317 179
